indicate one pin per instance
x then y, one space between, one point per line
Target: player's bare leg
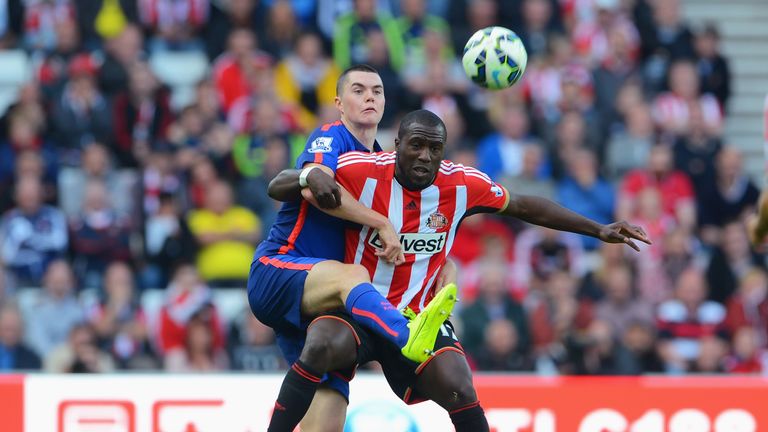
447 380
327 412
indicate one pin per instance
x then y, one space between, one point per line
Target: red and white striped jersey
426 220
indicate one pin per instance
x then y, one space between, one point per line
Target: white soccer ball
494 58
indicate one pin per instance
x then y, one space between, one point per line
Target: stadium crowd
131 210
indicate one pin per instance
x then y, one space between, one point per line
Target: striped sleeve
482 193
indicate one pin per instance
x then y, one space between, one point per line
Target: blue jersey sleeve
323 147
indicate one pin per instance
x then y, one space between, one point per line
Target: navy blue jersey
300 229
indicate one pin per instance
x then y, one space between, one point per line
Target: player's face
419 154
361 101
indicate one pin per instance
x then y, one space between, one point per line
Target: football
494 58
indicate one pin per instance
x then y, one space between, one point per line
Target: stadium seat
15 70
181 72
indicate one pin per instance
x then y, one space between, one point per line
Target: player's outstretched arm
287 185
546 213
353 211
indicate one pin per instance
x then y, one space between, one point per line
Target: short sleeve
323 147
483 195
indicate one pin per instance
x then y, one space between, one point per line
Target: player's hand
623 232
392 250
324 188
448 274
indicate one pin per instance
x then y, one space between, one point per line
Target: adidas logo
411 206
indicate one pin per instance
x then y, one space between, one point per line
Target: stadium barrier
235 403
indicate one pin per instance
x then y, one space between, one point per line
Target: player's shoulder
458 173
327 138
369 160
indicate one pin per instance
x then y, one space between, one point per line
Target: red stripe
352 329
318 158
375 318
274 262
305 374
296 230
434 356
327 126
464 408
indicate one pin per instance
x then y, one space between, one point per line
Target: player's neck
366 135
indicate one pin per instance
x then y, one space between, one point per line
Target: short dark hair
361 67
422 117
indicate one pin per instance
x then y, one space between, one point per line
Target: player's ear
397 142
337 102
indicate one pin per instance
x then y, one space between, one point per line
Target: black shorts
400 372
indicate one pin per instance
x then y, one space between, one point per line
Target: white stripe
382 277
458 213
369 161
430 199
480 177
427 286
366 198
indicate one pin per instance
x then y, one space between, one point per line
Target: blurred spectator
25 134
591 38
174 24
235 70
120 52
729 194
351 31
667 40
29 103
501 350
40 20
187 296
599 351
608 255
687 320
282 29
494 302
538 26
711 358
207 102
119 322
570 135
415 24
500 155
168 242
11 23
307 79
714 73
748 307
52 68
252 346
15 355
481 235
79 354
616 68
229 16
98 235
32 234
640 340
159 177
186 133
55 311
202 175
378 57
199 353
732 260
435 53
532 179
329 12
541 252
104 19
441 97
227 234
141 116
748 355
674 188
672 109
696 151
81 114
621 307
468 16
679 251
629 147
585 192
29 164
95 165
542 84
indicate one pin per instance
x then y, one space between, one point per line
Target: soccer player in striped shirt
425 198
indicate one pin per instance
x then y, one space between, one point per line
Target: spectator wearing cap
81 114
351 31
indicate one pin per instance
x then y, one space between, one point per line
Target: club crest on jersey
321 145
437 220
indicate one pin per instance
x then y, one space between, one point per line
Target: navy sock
469 418
376 313
295 397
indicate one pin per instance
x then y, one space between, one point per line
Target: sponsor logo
321 145
415 243
497 190
411 206
437 220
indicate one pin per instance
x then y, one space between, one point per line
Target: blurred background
137 139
